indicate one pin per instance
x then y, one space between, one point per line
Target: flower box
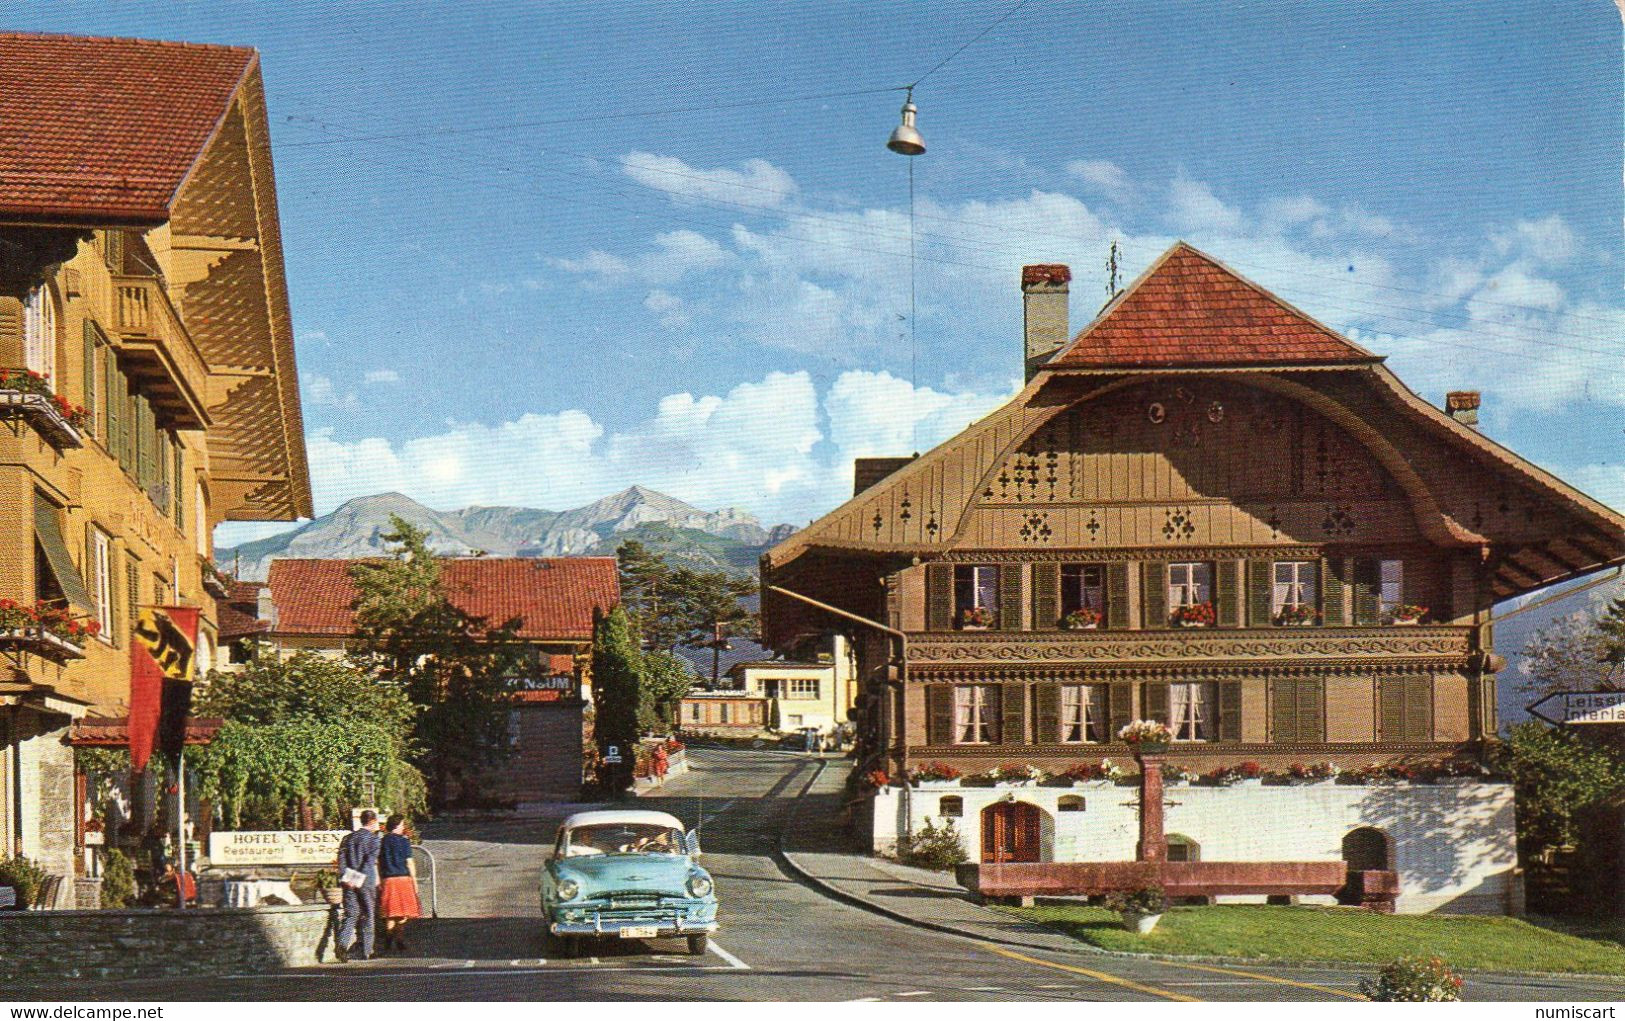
933 785
46 414
41 642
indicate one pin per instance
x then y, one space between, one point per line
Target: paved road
781 940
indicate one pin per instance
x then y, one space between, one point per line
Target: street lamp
906 139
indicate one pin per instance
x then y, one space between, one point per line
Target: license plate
639 931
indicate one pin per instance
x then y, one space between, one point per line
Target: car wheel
697 945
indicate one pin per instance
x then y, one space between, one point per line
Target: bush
1149 900
932 847
24 876
1413 980
118 880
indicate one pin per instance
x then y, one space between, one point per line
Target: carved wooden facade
1233 449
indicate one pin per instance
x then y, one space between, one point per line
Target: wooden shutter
90 378
1046 597
1154 702
1119 708
1229 710
1260 588
1367 592
1391 709
939 597
939 713
1227 588
1117 595
1047 716
1311 711
1009 597
1012 725
1283 711
1331 591
1297 711
90 573
177 488
1154 594
115 407
1419 708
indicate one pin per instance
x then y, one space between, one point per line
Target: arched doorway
1010 832
1365 850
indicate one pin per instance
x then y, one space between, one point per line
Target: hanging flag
160 679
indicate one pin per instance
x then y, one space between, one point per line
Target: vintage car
626 874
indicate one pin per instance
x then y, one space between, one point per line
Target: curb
1083 949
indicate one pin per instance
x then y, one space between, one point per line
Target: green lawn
1351 934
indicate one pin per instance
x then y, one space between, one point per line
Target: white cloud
376 376
671 257
758 183
320 392
1104 175
1548 240
1193 206
668 309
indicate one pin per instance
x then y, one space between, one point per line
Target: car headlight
569 889
699 885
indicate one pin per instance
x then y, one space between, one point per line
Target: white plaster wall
1453 846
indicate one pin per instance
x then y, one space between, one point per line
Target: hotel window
801 687
951 806
1083 587
39 334
1083 713
1392 581
1193 711
976 714
976 596
1189 584
1295 588
100 571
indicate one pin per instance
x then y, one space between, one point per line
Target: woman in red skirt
398 894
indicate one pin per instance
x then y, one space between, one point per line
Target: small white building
816 689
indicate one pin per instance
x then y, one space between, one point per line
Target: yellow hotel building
149 388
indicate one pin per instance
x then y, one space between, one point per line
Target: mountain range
729 539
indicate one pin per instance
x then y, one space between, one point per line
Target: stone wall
46 947
1452 845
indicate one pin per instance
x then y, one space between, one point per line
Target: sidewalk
819 850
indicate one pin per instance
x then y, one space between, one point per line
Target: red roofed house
1209 510
555 600
147 384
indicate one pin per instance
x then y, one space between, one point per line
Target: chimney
1043 301
1462 405
866 471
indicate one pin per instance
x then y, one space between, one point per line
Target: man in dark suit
359 851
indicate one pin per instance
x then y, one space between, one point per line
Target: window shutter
1331 591
1283 711
112 598
1419 708
90 573
1367 592
115 408
93 423
177 488
1154 702
1119 708
1154 594
1260 587
1228 590
1229 710
1117 595
1048 714
1311 711
1046 597
939 597
1391 708
1010 597
939 708
1013 714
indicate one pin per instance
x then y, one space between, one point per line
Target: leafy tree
1578 652
457 668
673 606
307 686
1558 775
664 680
617 695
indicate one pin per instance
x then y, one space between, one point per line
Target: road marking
917 992
984 989
1268 978
865 999
1066 985
1099 976
733 961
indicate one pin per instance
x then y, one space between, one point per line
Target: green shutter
1048 714
1331 591
48 534
1419 708
1154 594
939 707
1260 589
1311 711
1117 595
1367 592
115 408
1013 714
1283 711
94 422
1119 708
89 571
1228 593
1154 702
939 597
1230 711
1010 597
177 487
1046 596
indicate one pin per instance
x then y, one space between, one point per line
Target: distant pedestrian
358 863
662 762
398 897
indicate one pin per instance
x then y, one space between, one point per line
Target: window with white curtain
101 578
1193 711
1189 584
1393 587
39 334
1083 713
1295 582
976 713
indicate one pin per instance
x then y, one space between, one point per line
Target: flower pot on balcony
1149 748
1137 921
933 785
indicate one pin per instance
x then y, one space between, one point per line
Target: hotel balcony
156 350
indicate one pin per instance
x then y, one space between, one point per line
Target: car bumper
664 928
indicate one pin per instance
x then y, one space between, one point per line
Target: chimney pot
1462 405
1044 305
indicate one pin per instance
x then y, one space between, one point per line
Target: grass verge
1479 942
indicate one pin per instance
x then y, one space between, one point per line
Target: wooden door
1010 832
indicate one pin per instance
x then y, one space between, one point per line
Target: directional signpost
1577 707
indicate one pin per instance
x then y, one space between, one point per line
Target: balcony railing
40 642
44 413
156 348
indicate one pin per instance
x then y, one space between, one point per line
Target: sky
540 252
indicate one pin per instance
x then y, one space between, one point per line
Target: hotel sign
1575 707
274 847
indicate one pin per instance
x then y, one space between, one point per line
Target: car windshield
623 838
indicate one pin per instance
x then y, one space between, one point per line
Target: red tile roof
114 731
97 131
1189 310
238 614
553 597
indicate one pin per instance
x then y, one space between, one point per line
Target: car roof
625 815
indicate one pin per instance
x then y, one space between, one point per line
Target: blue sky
540 252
